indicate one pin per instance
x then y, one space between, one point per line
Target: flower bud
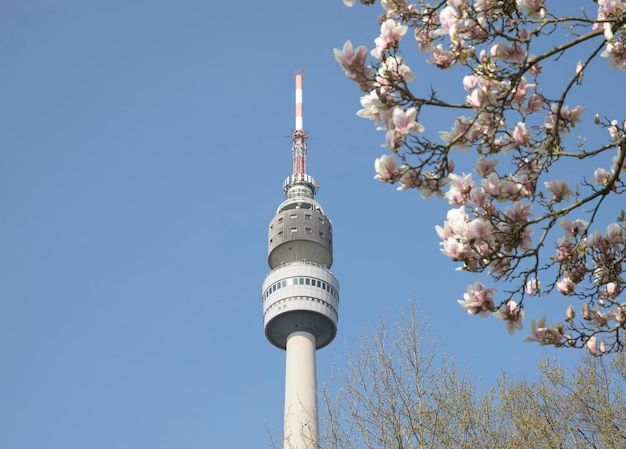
569 313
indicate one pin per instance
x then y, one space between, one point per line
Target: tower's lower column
301 425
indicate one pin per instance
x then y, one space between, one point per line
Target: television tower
300 294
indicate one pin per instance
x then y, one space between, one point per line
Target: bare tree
398 391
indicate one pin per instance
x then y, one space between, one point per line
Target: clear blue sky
143 146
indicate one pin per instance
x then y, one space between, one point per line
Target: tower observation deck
300 295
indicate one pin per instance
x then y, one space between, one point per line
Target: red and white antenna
298 136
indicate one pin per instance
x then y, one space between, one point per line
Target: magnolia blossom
535 101
591 345
404 121
394 69
569 313
521 90
509 53
449 17
585 311
560 190
615 234
390 34
386 168
532 286
485 166
544 335
372 107
512 314
469 82
616 52
353 64
478 300
348 58
566 286
441 58
460 188
534 8
575 227
601 176
410 179
565 117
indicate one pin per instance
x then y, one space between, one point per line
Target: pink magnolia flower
441 58
573 227
521 136
521 90
521 212
569 313
372 107
595 239
585 311
591 345
462 135
424 39
460 188
478 198
566 117
566 286
616 51
532 286
611 289
410 179
455 249
485 166
404 121
526 242
601 176
394 69
390 140
560 190
535 101
565 249
512 314
431 185
353 63
544 335
508 53
348 58
479 230
386 168
476 99
469 82
620 313
449 17
615 131
491 184
615 234
534 8
390 34
478 300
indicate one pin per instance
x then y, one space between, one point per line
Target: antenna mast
299 136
